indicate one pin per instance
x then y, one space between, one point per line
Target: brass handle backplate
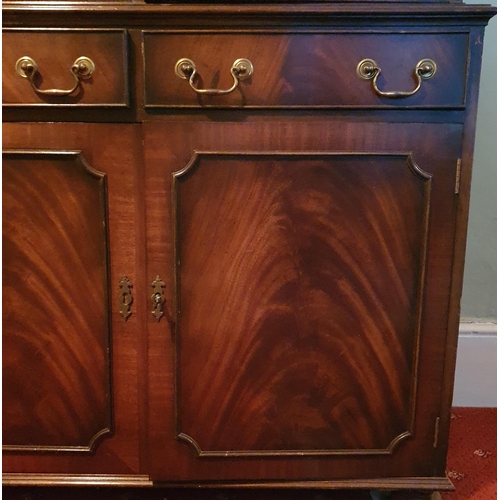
82 68
157 298
240 70
369 70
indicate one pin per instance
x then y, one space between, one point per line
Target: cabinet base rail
93 480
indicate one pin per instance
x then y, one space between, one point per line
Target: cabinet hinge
436 432
457 175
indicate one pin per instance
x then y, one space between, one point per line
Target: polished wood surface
60 383
279 348
304 70
397 15
55 52
221 204
321 358
56 379
461 236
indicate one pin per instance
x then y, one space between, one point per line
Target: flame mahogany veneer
306 234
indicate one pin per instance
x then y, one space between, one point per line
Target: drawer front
305 69
55 52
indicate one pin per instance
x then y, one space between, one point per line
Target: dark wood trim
421 483
463 199
403 483
19 479
199 16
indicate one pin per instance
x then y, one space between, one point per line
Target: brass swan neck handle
369 70
82 68
240 70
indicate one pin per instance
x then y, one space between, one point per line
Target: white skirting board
476 372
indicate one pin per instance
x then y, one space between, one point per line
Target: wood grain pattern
298 324
301 61
114 150
57 386
55 52
305 70
435 148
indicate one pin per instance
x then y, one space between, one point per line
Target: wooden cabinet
242 269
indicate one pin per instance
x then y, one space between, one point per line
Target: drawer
305 69
55 52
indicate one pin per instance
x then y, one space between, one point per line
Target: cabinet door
70 361
307 268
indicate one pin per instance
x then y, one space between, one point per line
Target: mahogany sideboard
233 245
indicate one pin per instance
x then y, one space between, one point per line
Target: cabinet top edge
353 7
18 13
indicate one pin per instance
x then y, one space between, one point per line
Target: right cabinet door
307 268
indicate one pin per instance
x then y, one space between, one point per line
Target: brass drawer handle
424 70
82 68
186 69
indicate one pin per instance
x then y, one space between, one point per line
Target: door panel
298 302
54 258
303 262
70 396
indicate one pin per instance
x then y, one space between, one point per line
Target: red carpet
472 455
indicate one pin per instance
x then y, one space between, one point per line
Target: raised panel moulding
276 359
57 369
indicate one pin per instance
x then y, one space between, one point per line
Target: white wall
476 375
475 380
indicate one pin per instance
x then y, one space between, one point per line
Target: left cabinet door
71 404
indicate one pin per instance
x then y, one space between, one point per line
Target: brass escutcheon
125 298
157 298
